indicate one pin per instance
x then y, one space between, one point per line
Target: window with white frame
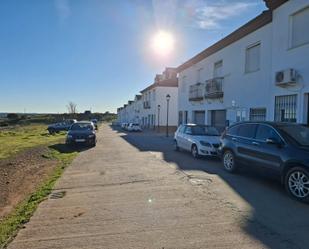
257 114
253 58
199 75
299 28
183 84
218 69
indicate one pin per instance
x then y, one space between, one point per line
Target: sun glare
162 43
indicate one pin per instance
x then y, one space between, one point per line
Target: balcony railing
196 92
213 89
146 104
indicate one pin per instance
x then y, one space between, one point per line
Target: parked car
82 133
95 122
134 127
62 126
124 126
200 140
282 148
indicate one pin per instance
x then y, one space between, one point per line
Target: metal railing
213 88
196 92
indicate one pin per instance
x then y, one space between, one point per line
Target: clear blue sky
96 53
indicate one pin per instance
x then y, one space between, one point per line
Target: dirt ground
21 174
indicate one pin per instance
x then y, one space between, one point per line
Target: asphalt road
134 191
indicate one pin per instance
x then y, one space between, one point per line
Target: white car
124 125
134 127
200 140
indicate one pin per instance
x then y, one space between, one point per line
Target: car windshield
298 133
203 130
81 127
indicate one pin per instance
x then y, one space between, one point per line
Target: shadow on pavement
275 219
64 148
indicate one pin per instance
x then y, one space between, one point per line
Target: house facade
258 72
149 109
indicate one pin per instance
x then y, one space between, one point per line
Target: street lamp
159 118
167 106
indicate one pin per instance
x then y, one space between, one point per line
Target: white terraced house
258 72
150 108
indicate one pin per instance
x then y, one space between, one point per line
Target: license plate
80 140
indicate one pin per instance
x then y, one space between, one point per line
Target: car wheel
229 161
176 146
297 183
51 131
194 151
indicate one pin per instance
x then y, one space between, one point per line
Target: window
186 117
182 129
240 115
247 130
285 108
233 131
199 75
180 118
264 132
154 95
299 28
188 130
218 69
253 58
183 85
257 114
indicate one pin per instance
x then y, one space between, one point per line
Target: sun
162 43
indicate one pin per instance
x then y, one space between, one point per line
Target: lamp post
167 107
159 118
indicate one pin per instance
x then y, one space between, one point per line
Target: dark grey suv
280 147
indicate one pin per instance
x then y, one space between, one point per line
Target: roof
249 27
167 83
273 4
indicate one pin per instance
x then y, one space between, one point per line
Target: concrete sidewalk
119 197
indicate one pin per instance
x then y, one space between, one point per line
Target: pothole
199 181
57 195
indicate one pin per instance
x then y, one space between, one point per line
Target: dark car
82 133
62 126
282 148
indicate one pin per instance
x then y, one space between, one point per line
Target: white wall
283 56
249 90
173 105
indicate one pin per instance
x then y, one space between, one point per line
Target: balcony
146 104
196 92
213 89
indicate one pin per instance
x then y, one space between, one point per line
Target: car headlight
69 136
205 144
91 136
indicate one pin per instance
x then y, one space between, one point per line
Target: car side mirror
274 141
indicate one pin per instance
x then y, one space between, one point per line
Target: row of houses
258 72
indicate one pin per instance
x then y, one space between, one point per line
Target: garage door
199 117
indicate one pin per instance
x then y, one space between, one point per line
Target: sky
98 53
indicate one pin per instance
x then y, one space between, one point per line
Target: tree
71 108
12 116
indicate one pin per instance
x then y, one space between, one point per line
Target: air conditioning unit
286 77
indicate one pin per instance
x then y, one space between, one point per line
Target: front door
218 119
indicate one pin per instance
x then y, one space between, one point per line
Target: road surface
134 191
